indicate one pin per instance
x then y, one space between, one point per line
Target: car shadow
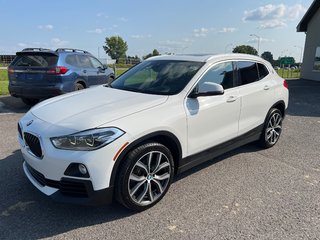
304 98
25 213
10 104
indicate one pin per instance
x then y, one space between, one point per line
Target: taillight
58 70
10 71
285 84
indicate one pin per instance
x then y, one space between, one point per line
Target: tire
79 86
30 101
272 129
145 176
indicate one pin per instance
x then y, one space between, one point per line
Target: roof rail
71 50
36 49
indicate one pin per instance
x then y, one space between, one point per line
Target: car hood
94 107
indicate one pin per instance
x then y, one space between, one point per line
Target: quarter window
263 71
221 73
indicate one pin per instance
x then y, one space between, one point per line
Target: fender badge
29 123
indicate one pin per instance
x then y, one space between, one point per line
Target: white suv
127 140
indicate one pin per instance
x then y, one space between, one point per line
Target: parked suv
38 73
160 118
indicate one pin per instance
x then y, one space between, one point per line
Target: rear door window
247 72
84 61
35 60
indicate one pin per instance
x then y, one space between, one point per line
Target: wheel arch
281 106
164 137
81 81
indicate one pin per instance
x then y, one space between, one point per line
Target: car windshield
162 77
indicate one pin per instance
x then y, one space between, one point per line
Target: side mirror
207 89
101 69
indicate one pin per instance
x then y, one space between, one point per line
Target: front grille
67 187
33 143
20 131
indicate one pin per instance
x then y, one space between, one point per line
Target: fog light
82 169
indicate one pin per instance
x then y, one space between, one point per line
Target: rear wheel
30 101
79 86
145 176
272 129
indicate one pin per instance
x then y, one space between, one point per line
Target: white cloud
200 32
140 36
48 27
255 40
22 44
272 24
97 30
228 30
57 42
101 14
123 19
274 16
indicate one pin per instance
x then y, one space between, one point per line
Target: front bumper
69 190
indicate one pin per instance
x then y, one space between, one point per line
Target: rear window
35 60
248 72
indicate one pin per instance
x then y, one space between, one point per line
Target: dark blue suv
38 73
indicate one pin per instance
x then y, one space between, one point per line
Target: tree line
117 48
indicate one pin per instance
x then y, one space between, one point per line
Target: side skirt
209 154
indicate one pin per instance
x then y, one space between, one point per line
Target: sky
171 26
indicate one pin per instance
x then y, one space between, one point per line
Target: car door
98 71
257 94
213 119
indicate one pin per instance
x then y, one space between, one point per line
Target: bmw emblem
29 123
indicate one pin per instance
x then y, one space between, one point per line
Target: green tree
155 52
268 56
115 47
245 49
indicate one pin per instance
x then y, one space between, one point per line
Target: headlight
87 140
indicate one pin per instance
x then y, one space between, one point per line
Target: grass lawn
285 73
3 82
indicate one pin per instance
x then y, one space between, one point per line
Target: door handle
232 99
266 87
84 71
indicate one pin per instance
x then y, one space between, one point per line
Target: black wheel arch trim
138 142
281 102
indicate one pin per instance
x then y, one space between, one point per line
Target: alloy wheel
149 178
274 128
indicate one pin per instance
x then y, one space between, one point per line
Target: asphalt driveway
248 193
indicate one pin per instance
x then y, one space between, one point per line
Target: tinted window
263 71
247 72
95 63
72 60
35 60
221 73
84 61
163 77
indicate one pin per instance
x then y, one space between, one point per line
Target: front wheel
272 129
145 176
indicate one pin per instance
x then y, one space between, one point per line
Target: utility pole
259 40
